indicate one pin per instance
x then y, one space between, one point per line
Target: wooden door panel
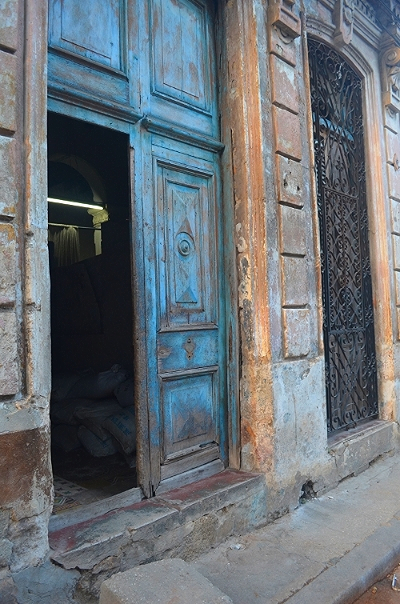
182 63
87 64
189 411
91 30
187 349
186 251
106 88
181 68
169 78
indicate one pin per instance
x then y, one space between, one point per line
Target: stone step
161 583
183 522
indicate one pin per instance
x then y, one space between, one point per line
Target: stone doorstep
85 544
161 582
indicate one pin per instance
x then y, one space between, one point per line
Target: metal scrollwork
336 96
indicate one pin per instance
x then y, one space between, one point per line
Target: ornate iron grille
336 98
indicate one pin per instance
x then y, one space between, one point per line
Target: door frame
135 124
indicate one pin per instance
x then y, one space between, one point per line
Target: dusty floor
382 592
80 478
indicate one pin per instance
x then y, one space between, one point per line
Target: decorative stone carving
391 78
281 15
343 17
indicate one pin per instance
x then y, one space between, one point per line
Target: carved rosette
343 18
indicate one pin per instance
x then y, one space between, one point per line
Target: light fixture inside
78 204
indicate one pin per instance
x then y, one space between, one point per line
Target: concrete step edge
356 571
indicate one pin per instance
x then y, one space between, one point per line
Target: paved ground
382 592
328 551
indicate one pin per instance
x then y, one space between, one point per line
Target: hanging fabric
66 246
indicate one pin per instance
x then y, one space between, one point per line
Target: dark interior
92 406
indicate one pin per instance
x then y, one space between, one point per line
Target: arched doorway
348 323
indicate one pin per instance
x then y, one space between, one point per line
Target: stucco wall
267 128
25 493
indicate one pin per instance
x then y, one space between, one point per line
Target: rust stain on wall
23 462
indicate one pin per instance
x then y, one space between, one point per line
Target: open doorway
92 407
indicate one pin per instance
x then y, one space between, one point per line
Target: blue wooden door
147 67
178 182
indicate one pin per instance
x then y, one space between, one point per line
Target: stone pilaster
390 78
284 28
25 495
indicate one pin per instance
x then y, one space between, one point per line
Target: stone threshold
355 449
361 430
182 522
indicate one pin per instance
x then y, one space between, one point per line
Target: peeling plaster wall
267 129
26 483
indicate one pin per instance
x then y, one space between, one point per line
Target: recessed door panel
185 221
91 30
189 410
187 349
180 59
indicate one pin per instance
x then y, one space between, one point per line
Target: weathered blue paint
156 59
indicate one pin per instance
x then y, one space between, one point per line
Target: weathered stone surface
37 320
284 85
30 539
396 252
8 175
397 286
24 470
9 361
292 227
8 91
300 548
7 264
296 332
300 426
5 552
295 283
7 588
46 584
392 146
353 454
290 181
182 523
395 207
287 133
4 521
282 47
398 322
160 583
394 183
392 121
8 23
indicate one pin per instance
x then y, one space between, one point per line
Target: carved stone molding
343 17
391 78
281 15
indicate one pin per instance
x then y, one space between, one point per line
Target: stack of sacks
94 410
